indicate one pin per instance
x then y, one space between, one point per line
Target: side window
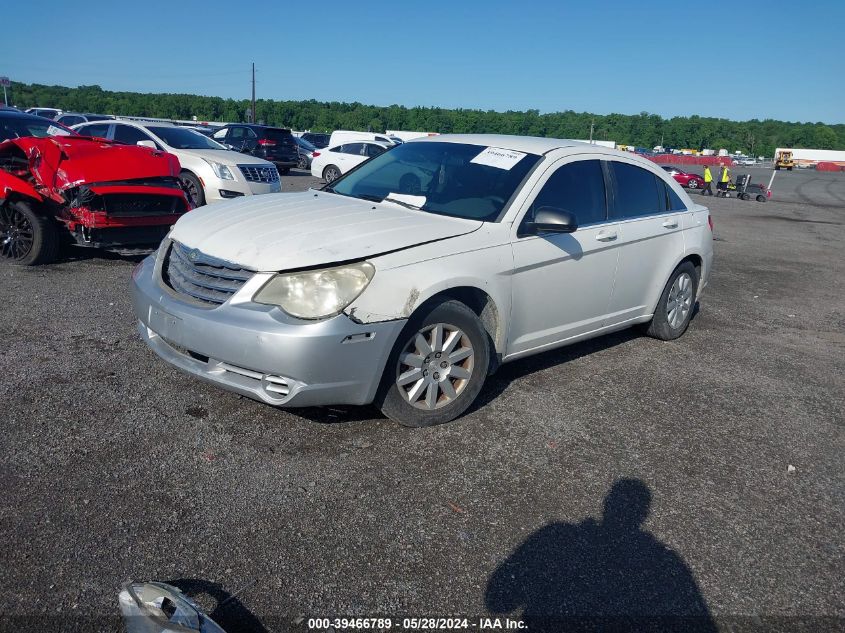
71 120
374 150
249 133
220 135
675 202
636 192
578 188
129 135
95 129
352 148
237 134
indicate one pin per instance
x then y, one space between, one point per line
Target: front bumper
259 351
214 185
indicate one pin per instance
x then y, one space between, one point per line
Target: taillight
266 142
710 222
315 154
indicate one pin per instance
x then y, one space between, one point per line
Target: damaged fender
400 286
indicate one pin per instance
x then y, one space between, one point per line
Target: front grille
259 173
201 278
138 204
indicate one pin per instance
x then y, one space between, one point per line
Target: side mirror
150 144
552 220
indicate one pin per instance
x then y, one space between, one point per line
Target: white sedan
412 278
331 163
210 171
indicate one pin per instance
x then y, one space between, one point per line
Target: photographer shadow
607 575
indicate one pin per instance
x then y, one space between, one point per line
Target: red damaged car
57 186
685 179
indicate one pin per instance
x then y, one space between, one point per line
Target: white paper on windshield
498 157
417 201
56 131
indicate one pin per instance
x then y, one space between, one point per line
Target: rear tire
761 198
193 187
26 237
437 367
331 173
675 306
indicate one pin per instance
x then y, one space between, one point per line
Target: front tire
693 184
674 309
27 238
193 187
437 367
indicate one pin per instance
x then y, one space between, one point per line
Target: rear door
651 238
562 282
350 155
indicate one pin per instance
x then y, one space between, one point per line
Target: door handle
606 237
670 224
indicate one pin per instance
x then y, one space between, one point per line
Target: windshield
18 126
305 144
182 138
455 179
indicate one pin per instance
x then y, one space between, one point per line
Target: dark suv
275 144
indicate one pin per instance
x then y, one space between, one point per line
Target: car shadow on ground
508 373
607 574
496 384
70 254
228 611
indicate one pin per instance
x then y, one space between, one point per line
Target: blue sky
782 60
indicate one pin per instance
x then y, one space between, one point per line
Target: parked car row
209 171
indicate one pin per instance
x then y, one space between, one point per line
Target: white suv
409 280
210 171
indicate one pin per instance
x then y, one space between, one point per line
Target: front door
562 282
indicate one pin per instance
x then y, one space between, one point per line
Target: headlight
316 294
220 170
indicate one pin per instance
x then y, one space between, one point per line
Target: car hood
275 232
60 162
223 156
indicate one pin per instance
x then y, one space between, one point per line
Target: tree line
754 137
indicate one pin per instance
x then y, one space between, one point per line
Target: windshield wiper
402 203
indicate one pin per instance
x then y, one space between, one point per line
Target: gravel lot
115 466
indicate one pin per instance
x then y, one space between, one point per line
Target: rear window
281 136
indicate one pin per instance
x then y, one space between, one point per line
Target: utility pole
591 131
252 112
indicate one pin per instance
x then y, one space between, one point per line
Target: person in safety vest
724 179
708 182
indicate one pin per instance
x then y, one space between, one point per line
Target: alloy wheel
679 302
16 234
435 366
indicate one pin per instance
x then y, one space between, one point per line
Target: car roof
527 144
143 124
258 125
18 114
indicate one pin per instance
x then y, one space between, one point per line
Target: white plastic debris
790 469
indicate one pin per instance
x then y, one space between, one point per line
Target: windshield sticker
56 131
498 157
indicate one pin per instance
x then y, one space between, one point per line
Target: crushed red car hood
60 162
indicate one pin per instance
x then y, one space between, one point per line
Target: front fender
10 184
395 293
